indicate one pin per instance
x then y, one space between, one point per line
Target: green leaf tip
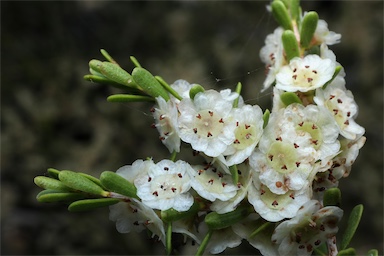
107 56
238 90
266 115
50 183
290 45
129 98
145 80
195 90
115 183
168 88
332 197
79 182
135 62
353 223
290 97
308 28
90 204
281 15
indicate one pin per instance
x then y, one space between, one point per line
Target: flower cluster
277 165
264 177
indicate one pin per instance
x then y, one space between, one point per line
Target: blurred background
51 117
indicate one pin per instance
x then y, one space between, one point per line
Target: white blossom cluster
283 164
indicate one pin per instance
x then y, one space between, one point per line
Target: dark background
51 117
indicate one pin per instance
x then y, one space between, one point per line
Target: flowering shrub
266 177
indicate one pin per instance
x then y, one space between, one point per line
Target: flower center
245 136
208 124
282 157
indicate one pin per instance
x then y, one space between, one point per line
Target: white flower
311 227
166 186
206 122
244 182
182 87
249 128
136 216
340 103
322 34
212 183
137 169
272 55
166 115
297 142
305 74
275 207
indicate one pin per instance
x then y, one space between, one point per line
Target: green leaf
107 56
90 204
113 72
261 228
345 252
373 252
353 223
173 215
168 88
204 243
91 178
148 83
50 196
337 71
219 221
266 117
234 173
281 15
53 173
308 28
332 197
290 97
290 45
195 90
50 183
104 80
129 98
135 62
238 90
295 11
79 182
115 183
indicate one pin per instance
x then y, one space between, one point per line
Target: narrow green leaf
295 11
115 183
219 221
148 83
91 178
238 90
78 182
266 117
107 56
168 88
168 239
332 197
173 215
290 97
135 62
129 98
90 204
51 196
337 71
281 15
308 28
353 223
290 45
347 252
104 80
260 229
234 173
53 173
50 183
373 252
204 243
195 90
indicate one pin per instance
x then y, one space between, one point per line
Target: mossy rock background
50 117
